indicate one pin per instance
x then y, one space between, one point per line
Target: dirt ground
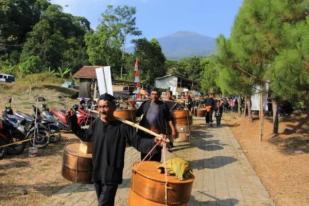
281 162
28 180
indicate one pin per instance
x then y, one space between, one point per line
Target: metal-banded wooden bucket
200 112
148 187
183 133
125 114
76 165
135 199
182 117
182 121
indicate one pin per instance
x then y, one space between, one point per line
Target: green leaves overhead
151 59
55 38
39 36
17 18
269 43
102 48
105 46
120 20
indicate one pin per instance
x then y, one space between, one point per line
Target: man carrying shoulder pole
109 138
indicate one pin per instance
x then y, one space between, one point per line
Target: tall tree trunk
261 116
248 102
275 116
239 105
245 107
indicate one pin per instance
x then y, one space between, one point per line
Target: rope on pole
15 143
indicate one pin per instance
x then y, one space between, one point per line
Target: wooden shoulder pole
132 124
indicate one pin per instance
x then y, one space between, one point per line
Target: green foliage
105 46
269 43
209 75
230 79
103 49
63 72
120 20
289 77
8 69
38 36
32 65
37 79
129 62
17 17
58 38
151 59
190 68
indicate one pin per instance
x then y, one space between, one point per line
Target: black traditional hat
107 97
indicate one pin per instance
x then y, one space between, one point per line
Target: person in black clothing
168 99
172 105
109 137
219 112
210 104
188 101
156 117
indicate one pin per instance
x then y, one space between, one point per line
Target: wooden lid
149 169
73 149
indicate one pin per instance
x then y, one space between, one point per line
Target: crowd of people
110 136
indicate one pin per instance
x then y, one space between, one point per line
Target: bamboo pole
132 124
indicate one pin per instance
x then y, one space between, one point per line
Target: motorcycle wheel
16 149
38 138
3 151
12 138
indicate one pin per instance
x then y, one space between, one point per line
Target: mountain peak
183 44
185 33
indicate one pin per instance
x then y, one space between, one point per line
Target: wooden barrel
149 184
182 117
200 112
76 166
183 133
208 108
125 114
135 199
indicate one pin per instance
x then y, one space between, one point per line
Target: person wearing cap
156 117
109 137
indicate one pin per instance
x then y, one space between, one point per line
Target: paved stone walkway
223 175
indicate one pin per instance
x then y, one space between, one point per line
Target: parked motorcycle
20 126
84 117
40 130
3 150
48 116
13 130
49 121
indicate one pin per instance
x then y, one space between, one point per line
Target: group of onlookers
214 106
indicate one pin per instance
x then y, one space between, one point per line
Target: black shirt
164 115
210 102
172 105
109 143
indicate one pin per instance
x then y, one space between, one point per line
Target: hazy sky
158 18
